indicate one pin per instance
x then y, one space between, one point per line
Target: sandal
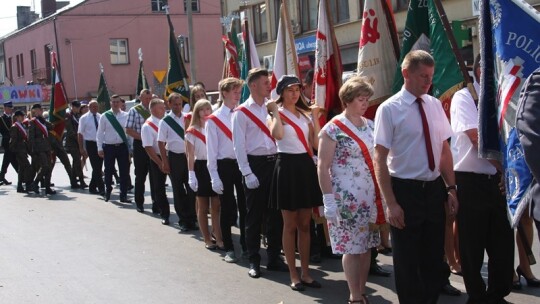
364 300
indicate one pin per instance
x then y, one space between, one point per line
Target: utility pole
191 41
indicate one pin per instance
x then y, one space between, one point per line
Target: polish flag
328 67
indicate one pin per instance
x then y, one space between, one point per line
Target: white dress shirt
173 141
149 136
218 145
106 133
248 138
398 127
87 126
464 117
290 143
198 144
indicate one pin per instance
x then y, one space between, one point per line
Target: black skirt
203 179
294 183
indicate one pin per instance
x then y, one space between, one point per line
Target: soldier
72 145
9 158
40 149
18 145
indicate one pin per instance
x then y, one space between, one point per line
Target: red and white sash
22 130
221 126
257 121
153 125
298 131
197 134
41 126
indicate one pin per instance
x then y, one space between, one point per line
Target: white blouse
290 143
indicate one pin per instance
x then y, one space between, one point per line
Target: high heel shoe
531 282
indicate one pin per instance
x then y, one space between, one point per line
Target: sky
8 12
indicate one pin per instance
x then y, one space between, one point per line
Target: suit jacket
5 125
528 126
18 142
38 141
72 126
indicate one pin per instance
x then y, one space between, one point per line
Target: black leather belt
268 158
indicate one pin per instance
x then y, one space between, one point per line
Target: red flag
328 67
232 58
59 103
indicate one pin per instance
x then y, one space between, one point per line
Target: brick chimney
48 7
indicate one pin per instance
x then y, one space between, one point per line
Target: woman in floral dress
348 186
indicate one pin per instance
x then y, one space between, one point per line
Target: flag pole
284 9
337 54
453 43
391 26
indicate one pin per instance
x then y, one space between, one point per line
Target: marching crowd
267 165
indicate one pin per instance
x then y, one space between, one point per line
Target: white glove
330 208
217 186
315 159
251 181
192 181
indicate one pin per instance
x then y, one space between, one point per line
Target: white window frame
116 57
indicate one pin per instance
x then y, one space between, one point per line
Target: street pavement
74 247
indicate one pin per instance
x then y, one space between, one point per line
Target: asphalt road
76 248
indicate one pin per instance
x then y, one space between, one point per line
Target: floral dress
354 190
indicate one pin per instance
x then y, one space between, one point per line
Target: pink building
111 32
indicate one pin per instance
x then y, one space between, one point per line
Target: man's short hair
144 92
115 96
174 96
308 79
415 58
227 84
255 74
155 101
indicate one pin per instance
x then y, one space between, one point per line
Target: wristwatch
453 187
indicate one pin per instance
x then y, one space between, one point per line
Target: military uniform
18 145
9 158
72 147
40 149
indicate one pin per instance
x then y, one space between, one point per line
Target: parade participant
197 92
482 218
40 149
255 150
72 143
88 125
136 118
149 136
222 165
112 146
294 173
348 184
307 88
411 186
199 178
18 144
174 162
9 157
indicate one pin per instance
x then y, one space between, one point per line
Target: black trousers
160 194
26 173
483 225
120 154
76 167
142 168
232 180
258 214
9 158
41 163
96 183
184 197
418 249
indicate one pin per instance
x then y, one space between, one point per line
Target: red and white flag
231 67
285 57
378 51
328 67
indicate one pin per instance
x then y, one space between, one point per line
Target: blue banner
19 94
305 44
510 48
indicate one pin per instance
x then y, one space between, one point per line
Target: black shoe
83 185
75 186
192 226
124 199
277 265
254 271
531 282
297 287
5 182
108 195
379 271
312 284
165 222
34 186
21 190
140 209
450 290
50 191
183 227
93 191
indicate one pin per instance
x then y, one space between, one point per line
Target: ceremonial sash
221 125
22 130
174 125
197 134
153 125
298 131
367 158
142 111
116 125
257 121
41 127
187 116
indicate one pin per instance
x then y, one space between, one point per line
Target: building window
2 73
22 64
259 23
158 5
119 51
310 12
10 69
400 5
33 63
340 11
18 58
194 6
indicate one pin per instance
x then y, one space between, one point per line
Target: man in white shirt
149 137
411 156
112 146
256 153
88 125
482 218
222 165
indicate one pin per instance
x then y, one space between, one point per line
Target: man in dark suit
9 157
528 127
19 147
71 144
40 148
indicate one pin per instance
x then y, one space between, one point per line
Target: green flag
142 83
177 78
245 61
424 30
103 99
